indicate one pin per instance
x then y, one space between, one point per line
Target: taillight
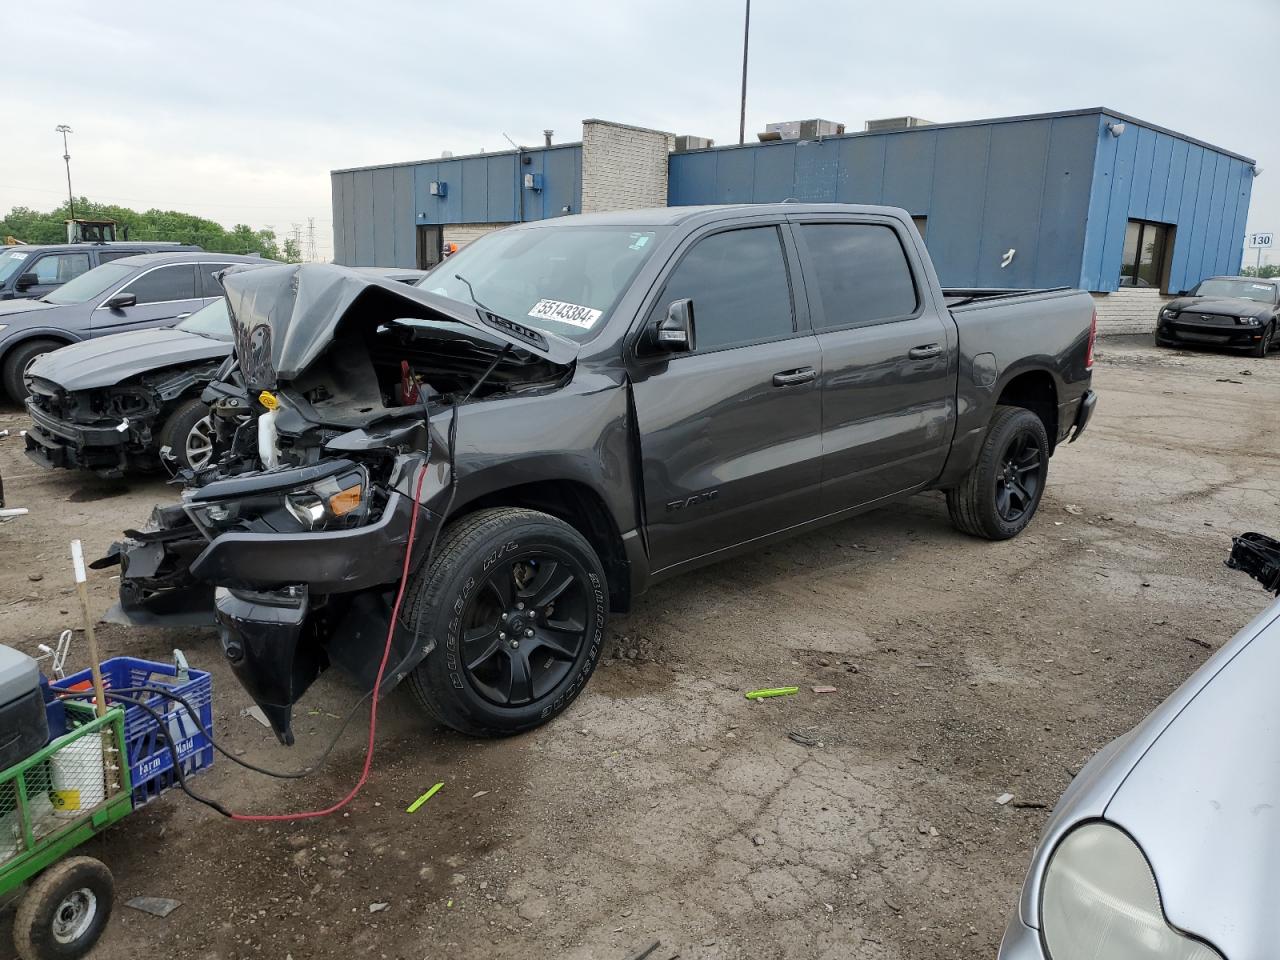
1093 335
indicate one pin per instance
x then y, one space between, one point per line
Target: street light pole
63 129
742 115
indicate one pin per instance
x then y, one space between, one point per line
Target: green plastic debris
771 692
413 807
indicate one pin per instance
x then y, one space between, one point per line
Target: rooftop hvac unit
802 130
895 123
685 142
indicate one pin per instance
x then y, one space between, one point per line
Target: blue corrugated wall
1057 190
376 210
985 189
1147 174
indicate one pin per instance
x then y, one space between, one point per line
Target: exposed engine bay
343 389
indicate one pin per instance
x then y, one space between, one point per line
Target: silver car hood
1197 784
1204 805
107 361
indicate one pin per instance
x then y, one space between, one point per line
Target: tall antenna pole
742 115
63 129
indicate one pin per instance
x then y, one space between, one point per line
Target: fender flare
38 333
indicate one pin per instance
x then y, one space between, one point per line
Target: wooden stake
95 659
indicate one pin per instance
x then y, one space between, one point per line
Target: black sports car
1239 312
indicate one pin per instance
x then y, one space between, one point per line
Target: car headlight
1099 901
335 502
1168 314
1251 321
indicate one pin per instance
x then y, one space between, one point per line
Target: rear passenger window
739 287
209 286
165 284
862 274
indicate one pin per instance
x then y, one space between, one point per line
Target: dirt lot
666 806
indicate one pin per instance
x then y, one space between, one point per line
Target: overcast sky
237 111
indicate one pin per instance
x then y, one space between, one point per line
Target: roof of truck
659 216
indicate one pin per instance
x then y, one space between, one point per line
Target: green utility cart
50 803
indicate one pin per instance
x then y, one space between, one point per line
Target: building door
430 246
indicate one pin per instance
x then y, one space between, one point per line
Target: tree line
35 226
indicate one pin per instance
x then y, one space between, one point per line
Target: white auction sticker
570 313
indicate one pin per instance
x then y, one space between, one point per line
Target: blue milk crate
150 762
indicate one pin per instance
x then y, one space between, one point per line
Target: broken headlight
334 502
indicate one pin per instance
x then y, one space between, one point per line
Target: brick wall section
1128 310
464 233
623 167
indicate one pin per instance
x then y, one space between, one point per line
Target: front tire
16 363
999 495
65 911
516 602
1263 347
189 435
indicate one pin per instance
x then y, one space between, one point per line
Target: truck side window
164 284
862 274
739 287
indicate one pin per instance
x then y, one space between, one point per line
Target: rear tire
1000 494
16 363
64 911
188 433
516 602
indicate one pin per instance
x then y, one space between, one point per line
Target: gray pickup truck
583 407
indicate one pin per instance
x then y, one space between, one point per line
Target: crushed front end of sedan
338 411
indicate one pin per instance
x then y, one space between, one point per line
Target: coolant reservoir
268 450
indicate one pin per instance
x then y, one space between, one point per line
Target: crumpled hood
1203 802
1219 306
285 317
107 361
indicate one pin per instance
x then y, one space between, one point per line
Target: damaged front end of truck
343 389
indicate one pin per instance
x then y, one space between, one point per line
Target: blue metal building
395 215
1064 191
1089 198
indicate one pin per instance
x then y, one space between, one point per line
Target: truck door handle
789 378
926 352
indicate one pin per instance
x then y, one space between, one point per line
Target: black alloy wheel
525 626
998 496
1018 482
512 609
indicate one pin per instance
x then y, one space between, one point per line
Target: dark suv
132 293
32 271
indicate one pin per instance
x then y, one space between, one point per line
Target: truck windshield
1244 287
561 279
88 285
10 263
211 321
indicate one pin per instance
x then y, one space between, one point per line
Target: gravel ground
663 805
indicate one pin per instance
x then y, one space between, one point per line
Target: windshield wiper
476 300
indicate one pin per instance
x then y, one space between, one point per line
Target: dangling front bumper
286 604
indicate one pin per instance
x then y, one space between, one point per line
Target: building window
922 225
1145 247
